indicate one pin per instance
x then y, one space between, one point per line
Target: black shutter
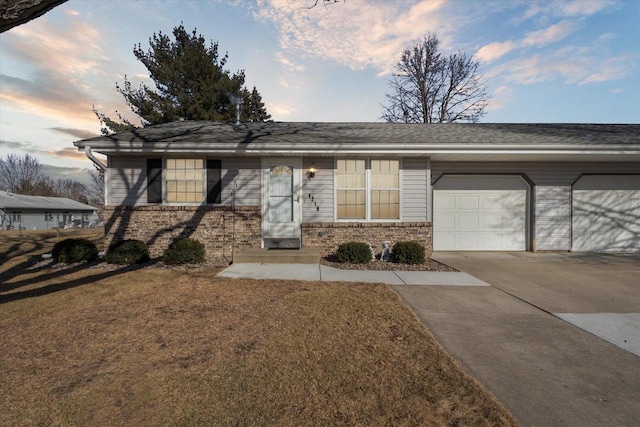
214 182
154 180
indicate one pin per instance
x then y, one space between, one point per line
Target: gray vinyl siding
553 217
241 175
127 180
414 189
551 192
319 207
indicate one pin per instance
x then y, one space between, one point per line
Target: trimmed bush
184 251
354 252
127 252
408 253
74 250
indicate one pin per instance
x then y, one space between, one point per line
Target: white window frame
203 175
367 168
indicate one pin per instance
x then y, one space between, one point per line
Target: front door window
281 194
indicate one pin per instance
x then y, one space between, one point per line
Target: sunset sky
550 61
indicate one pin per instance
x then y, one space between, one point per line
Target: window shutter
214 182
154 180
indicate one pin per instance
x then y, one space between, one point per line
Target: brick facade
220 228
223 230
329 235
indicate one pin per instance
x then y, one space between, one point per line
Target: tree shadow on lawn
61 286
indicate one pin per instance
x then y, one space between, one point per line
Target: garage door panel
489 213
606 213
468 241
513 240
491 240
492 202
515 201
466 222
444 241
491 222
468 202
446 222
445 201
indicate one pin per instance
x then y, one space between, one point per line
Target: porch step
277 256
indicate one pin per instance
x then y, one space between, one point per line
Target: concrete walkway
323 273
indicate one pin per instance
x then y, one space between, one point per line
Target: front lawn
97 346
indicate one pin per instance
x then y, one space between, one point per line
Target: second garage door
606 213
480 212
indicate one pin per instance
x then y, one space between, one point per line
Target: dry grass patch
171 347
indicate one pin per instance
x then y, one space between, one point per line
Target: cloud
584 7
612 69
60 172
573 8
574 66
549 35
28 147
51 65
66 153
493 51
355 34
501 96
278 110
15 145
288 63
78 133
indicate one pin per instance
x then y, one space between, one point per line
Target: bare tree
324 2
21 174
95 193
428 87
71 189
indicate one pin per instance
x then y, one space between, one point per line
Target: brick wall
329 235
216 226
158 226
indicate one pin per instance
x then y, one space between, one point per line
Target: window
351 189
16 217
367 190
48 216
184 180
385 189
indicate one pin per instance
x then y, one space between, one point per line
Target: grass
95 346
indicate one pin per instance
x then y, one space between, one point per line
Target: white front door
281 202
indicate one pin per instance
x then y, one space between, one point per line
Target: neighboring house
504 187
42 213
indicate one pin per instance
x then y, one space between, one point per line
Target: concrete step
277 256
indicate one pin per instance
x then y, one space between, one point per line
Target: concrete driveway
553 337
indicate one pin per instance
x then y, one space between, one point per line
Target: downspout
94 159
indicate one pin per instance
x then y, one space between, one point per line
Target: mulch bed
377 265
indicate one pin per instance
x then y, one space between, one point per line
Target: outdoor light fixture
311 172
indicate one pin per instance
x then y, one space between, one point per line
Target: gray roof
41 203
440 142
389 133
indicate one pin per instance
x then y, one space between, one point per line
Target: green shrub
74 250
354 252
408 253
184 251
127 252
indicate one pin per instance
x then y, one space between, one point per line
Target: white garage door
606 213
480 213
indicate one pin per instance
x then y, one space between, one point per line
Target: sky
574 61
